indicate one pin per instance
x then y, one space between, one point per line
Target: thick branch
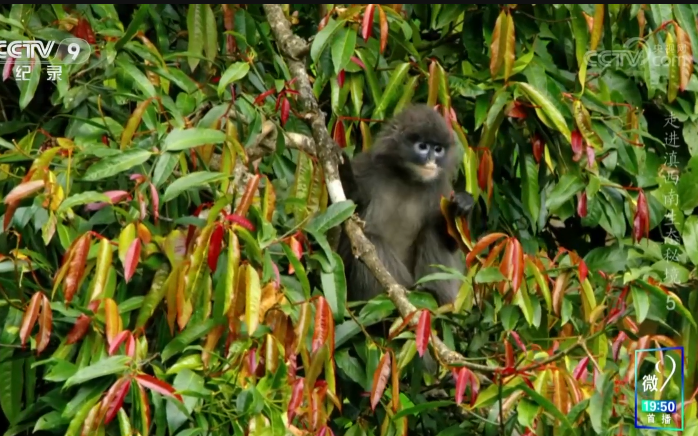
329 154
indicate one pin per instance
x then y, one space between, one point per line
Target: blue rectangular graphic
659 390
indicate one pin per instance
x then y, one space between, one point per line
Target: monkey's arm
352 189
462 204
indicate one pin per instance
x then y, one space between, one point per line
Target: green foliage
168 259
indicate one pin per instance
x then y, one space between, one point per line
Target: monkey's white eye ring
438 150
422 146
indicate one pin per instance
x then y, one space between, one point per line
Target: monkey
397 186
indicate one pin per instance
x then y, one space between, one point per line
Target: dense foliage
168 261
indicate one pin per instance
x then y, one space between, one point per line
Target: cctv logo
14 49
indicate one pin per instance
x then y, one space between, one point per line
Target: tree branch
329 155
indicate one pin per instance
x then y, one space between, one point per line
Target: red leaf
367 23
617 343
538 147
509 355
591 157
214 246
118 340
338 134
133 256
115 398
296 399
340 78
45 320
241 221
641 223
130 346
155 199
380 380
79 330
358 62
114 197
7 68
582 205
30 316
261 97
423 332
158 386
216 79
474 387
517 112
581 368
105 140
285 109
577 145
583 270
518 340
461 382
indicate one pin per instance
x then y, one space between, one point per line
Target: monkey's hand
463 203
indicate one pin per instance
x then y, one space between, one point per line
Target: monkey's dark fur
397 186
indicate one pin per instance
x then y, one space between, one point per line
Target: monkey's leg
361 283
433 249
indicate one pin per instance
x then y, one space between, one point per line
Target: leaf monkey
397 186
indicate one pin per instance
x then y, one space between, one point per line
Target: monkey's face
426 158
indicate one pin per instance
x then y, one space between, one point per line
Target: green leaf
548 406
30 81
139 78
489 275
343 45
133 26
164 166
659 293
108 366
641 301
194 180
179 139
548 108
690 238
323 37
189 335
11 372
114 165
530 190
235 72
568 186
211 33
333 216
196 29
82 198
601 406
390 94
334 288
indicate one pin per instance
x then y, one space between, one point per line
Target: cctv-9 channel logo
68 52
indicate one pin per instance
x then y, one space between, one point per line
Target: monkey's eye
421 146
439 150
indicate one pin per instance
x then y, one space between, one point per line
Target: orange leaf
297 249
434 72
76 269
509 54
367 22
538 147
384 28
23 190
145 404
143 233
509 355
30 316
380 380
517 265
559 292
405 322
9 213
112 320
79 330
423 332
481 245
395 382
685 57
158 386
248 196
133 255
45 321
324 326
641 223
